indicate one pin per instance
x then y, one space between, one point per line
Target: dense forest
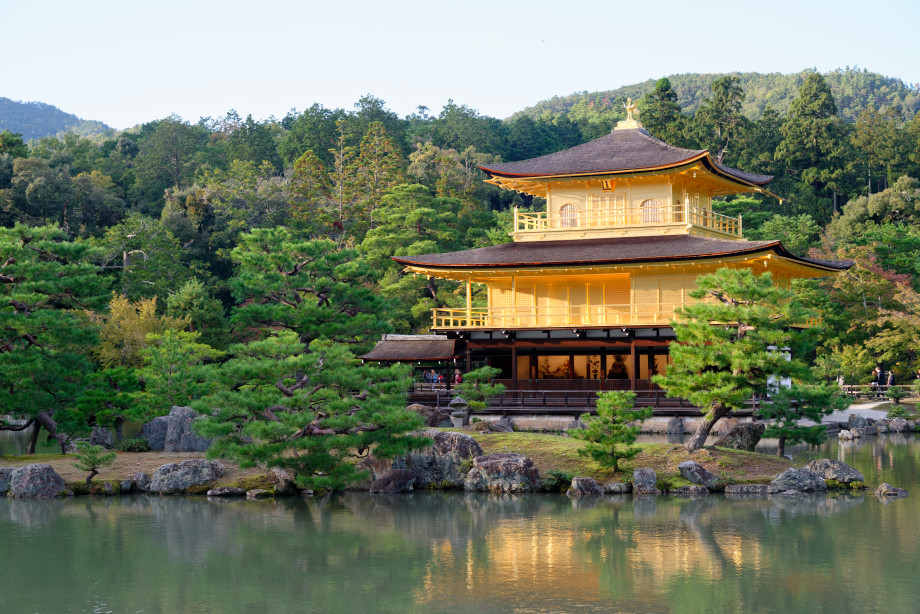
242 263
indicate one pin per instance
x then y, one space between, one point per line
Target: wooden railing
558 316
622 216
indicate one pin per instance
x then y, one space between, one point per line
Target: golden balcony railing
560 316
564 316
623 216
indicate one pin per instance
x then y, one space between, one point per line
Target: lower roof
608 251
412 348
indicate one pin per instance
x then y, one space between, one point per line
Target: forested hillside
35 120
221 261
853 90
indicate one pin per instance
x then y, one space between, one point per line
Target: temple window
649 209
568 216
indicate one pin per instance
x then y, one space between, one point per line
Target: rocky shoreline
454 461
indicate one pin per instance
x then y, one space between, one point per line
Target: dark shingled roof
606 251
412 348
617 152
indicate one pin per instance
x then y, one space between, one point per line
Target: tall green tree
661 115
310 287
46 282
311 412
788 407
728 344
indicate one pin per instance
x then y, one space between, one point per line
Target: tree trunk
45 419
33 438
89 479
119 433
702 432
781 447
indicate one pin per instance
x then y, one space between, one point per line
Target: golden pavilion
583 296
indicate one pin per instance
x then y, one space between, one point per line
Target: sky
126 62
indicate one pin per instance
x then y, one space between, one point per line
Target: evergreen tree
312 413
610 433
726 350
789 406
661 115
45 339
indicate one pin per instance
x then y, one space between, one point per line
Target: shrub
556 480
138 444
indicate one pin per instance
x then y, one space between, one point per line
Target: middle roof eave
604 251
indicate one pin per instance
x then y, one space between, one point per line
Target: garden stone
38 481
179 434
898 425
802 480
503 425
645 482
101 436
433 417
887 490
676 426
742 436
141 481
393 482
155 433
6 476
179 477
835 471
845 435
258 493
696 473
502 472
227 491
855 421
583 487
441 464
879 429
617 488
126 486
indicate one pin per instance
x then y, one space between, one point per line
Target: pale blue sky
124 62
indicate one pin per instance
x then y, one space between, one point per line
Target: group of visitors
435 379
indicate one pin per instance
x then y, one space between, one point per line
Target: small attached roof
621 250
412 348
621 151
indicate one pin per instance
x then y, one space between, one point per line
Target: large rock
855 421
6 476
742 436
835 473
676 426
697 474
502 472
155 433
442 464
393 482
693 492
101 436
227 491
141 481
179 434
179 477
898 425
801 480
502 425
887 490
36 482
617 488
584 487
433 417
845 435
645 482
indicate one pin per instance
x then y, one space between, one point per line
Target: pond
455 552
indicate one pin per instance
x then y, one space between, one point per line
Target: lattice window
649 209
568 216
616 293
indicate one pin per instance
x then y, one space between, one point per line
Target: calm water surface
453 552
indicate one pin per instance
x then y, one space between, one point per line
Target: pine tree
610 433
311 412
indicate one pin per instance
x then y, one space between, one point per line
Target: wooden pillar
533 371
469 301
604 367
514 368
571 367
634 364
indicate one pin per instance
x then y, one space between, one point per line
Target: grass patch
555 453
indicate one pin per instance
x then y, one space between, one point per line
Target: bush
898 411
557 480
138 444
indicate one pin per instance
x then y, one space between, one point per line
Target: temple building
583 296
